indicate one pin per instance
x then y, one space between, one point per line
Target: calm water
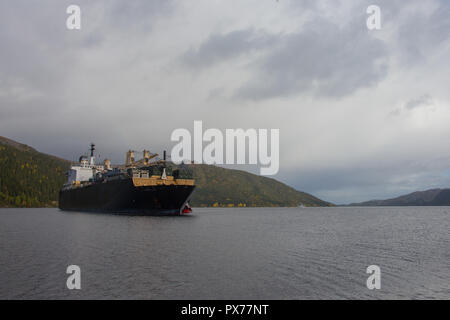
299 253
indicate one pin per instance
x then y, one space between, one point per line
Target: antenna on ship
92 154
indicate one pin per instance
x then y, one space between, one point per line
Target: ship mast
92 162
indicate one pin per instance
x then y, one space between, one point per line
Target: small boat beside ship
144 187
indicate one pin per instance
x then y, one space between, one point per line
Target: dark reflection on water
317 253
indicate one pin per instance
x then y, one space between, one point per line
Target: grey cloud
39 96
420 33
33 50
34 35
323 59
222 47
129 14
326 58
422 101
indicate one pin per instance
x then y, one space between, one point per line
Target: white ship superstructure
85 170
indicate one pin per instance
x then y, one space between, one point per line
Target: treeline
29 178
220 187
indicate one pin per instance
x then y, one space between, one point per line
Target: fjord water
270 253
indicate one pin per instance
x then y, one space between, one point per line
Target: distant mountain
29 178
433 197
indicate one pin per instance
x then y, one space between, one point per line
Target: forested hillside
29 178
230 188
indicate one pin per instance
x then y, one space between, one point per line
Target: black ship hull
121 196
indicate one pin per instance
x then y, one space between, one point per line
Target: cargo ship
149 186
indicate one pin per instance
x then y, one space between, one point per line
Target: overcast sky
362 114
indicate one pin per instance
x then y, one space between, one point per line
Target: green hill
29 178
225 187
